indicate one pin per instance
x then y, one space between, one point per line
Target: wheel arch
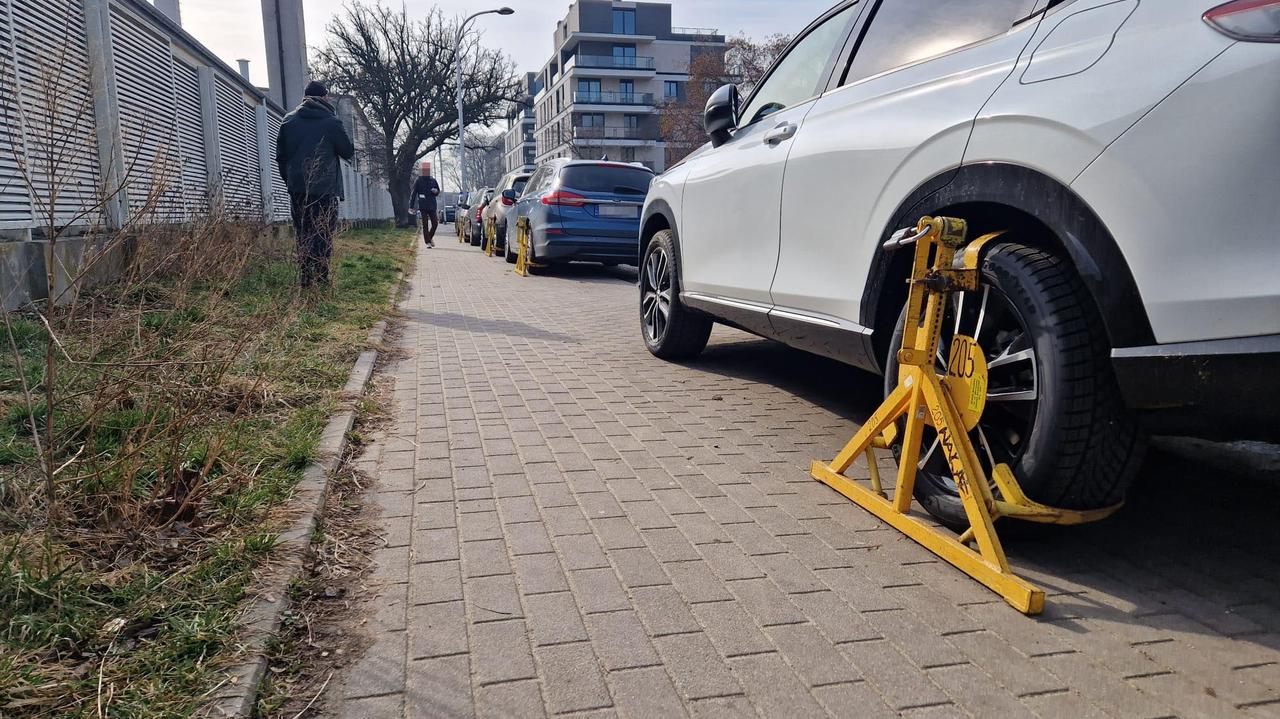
1041 212
658 216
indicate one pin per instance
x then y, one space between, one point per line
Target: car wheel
507 252
1054 412
671 331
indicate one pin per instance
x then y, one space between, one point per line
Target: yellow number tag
967 379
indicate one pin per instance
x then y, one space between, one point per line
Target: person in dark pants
309 149
425 192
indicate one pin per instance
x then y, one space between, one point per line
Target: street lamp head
506 11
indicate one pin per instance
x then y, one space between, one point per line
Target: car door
730 220
528 200
900 114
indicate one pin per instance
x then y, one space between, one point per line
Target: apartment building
519 150
615 65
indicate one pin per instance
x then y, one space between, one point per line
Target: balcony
703 32
613 98
581 132
610 62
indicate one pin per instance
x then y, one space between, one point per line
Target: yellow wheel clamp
524 232
490 236
952 402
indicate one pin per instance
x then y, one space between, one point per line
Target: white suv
1127 148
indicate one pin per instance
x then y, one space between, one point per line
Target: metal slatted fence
186 101
173 126
55 108
144 92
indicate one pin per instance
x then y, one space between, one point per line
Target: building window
592 120
627 88
671 90
632 122
624 22
628 154
588 91
624 56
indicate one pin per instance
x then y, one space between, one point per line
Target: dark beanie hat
315 89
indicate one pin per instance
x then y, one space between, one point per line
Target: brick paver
573 527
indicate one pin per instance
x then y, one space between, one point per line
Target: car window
520 184
540 180
535 180
797 77
616 179
903 32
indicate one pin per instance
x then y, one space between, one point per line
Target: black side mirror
721 116
510 195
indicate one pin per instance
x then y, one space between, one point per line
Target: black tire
1081 447
680 333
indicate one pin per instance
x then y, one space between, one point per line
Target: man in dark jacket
425 192
311 143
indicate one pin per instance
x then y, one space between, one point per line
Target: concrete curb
237 693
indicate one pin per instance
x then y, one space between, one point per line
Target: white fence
101 94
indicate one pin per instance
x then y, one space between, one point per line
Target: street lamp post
462 124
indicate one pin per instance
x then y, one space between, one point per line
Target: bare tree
680 121
401 73
744 63
484 159
748 60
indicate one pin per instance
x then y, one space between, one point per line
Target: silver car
501 205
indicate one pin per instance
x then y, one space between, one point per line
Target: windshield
613 179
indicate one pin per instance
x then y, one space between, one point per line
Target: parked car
504 198
1132 282
582 210
460 218
473 230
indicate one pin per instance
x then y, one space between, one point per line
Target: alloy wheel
656 294
1002 435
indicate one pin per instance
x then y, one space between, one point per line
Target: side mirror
509 197
721 116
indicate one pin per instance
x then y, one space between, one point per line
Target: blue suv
582 210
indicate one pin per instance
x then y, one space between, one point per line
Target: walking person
425 192
309 149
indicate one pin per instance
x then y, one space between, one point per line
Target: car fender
1002 196
663 202
656 213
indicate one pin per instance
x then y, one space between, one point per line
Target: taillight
1249 20
478 214
564 199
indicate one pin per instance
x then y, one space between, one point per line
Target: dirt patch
322 632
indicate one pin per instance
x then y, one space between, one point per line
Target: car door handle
781 133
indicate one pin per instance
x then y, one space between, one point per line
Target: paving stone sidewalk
575 528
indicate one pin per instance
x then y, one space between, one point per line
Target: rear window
607 178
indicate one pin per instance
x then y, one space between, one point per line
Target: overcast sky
233 28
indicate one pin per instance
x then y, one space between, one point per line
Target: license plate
629 212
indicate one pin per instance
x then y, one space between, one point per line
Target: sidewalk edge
236 695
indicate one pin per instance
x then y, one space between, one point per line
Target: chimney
171 10
283 26
244 68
